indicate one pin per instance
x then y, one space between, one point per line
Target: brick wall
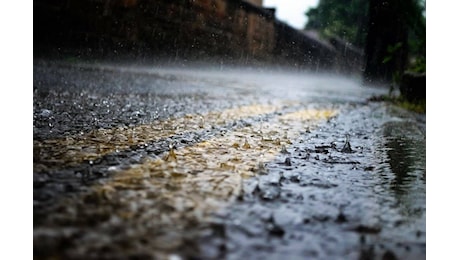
161 27
228 30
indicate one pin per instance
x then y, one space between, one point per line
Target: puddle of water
405 147
407 161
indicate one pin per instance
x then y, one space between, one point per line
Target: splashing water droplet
261 169
227 167
288 161
171 156
284 150
246 145
45 113
347 147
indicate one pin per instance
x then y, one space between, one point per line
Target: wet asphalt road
158 162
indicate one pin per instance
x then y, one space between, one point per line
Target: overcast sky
291 12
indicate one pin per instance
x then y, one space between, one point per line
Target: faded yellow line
72 150
167 195
161 199
213 170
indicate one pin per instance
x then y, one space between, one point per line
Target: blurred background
379 40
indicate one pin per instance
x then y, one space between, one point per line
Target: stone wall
233 31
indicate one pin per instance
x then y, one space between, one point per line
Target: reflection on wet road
167 163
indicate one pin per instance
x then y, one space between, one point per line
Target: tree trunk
387 41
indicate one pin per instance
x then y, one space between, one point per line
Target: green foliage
418 65
418 107
346 19
417 37
391 50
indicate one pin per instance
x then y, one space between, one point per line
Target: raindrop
246 144
113 168
288 161
227 167
261 169
284 150
341 218
45 113
347 147
174 257
171 156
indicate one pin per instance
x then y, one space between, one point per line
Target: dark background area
230 32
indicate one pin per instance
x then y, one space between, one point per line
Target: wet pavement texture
153 162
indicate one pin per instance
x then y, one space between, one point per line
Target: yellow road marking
72 150
162 198
196 168
188 184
